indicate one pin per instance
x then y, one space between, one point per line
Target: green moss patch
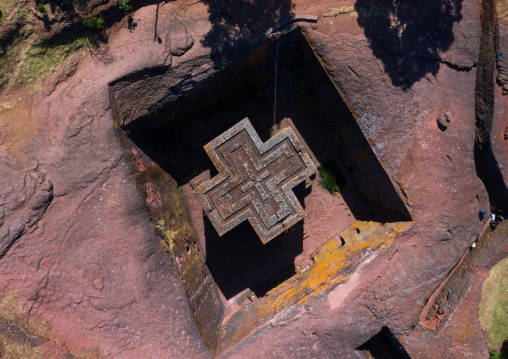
494 307
332 178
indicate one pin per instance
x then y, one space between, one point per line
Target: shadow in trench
489 172
504 349
175 136
239 260
408 36
487 166
384 345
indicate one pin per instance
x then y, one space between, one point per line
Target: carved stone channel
255 180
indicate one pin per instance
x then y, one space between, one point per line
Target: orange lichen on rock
331 262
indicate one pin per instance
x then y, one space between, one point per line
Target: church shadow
409 36
239 260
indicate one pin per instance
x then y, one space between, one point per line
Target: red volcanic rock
78 247
24 201
444 119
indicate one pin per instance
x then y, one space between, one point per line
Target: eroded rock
444 119
179 38
26 197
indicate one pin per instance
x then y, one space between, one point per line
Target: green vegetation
5 8
331 177
12 312
494 310
503 354
160 225
24 63
40 8
13 38
42 60
13 350
94 23
125 6
341 10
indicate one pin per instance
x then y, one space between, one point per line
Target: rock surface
444 119
24 200
77 245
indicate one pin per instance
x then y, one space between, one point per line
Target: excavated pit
165 116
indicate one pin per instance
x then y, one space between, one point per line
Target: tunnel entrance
231 278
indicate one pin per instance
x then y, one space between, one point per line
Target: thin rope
276 65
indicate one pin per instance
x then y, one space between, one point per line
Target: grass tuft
494 309
339 11
332 178
42 60
5 8
13 37
126 6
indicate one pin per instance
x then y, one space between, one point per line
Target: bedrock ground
87 270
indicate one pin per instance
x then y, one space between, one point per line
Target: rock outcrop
24 200
79 247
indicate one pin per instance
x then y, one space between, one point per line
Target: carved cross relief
255 180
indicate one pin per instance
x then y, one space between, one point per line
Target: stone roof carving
255 180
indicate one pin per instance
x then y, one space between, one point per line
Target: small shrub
503 354
94 23
40 8
331 177
494 354
125 6
5 8
160 225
